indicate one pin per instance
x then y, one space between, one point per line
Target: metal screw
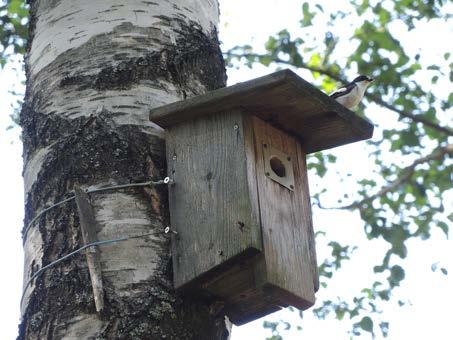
169 181
236 126
168 230
220 252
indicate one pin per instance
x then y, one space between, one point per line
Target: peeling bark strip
89 235
94 69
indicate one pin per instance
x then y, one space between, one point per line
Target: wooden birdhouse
240 203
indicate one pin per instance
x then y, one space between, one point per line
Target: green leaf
384 16
319 7
444 227
433 67
14 7
384 326
450 217
307 15
396 275
265 60
366 324
271 44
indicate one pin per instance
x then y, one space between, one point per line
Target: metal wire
34 219
166 181
93 244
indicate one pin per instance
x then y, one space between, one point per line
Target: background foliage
404 198
13 37
13 29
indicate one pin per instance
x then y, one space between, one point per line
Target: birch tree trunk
94 70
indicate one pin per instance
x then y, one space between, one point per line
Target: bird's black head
363 78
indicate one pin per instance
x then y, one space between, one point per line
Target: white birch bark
95 68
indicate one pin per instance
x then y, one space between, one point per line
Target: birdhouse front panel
285 213
211 205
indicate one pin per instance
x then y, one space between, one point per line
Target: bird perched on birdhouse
351 95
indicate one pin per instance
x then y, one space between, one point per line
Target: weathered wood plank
243 289
307 215
285 100
284 226
210 205
252 184
89 235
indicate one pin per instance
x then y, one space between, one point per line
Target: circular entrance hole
277 166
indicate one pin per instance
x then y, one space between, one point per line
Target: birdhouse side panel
284 215
307 215
210 205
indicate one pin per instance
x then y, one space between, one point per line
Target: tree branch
332 75
415 118
286 62
405 176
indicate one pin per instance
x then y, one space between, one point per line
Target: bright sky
428 315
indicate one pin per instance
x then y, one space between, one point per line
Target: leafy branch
258 57
405 176
416 118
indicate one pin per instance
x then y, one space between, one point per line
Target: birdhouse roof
282 99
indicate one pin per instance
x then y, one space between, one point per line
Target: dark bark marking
90 146
52 22
195 55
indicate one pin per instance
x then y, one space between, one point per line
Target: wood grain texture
210 205
249 150
307 215
89 235
283 99
284 223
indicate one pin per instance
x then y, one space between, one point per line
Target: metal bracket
278 166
